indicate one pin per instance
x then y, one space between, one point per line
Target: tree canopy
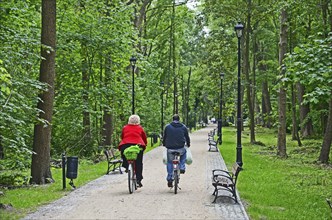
181 48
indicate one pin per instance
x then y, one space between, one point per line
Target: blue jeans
170 157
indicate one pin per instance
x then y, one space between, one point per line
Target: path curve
108 198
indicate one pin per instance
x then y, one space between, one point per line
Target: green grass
28 199
275 188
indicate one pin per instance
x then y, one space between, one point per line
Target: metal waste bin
155 138
72 165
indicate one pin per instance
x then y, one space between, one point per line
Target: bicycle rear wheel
176 180
131 178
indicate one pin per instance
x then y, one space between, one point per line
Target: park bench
225 180
114 160
213 144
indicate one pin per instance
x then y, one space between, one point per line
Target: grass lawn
274 188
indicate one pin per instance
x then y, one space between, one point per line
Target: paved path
108 197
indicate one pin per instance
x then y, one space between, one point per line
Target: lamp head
222 75
133 61
238 29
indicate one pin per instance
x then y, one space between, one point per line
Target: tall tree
326 146
295 131
246 69
304 108
86 65
40 168
307 128
327 141
282 90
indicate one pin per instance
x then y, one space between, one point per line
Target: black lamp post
133 64
162 108
222 75
238 29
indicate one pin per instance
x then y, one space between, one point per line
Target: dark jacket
175 136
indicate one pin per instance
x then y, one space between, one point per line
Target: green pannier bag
132 152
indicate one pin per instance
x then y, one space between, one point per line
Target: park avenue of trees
65 75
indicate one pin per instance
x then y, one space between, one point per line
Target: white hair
134 120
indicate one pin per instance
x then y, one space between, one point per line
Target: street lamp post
238 29
222 75
133 64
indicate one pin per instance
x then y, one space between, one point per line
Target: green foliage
311 65
12 178
19 53
104 35
5 80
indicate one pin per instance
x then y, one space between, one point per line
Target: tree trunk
107 128
246 69
2 153
40 167
107 116
188 97
85 98
295 130
326 146
139 19
326 17
173 57
256 106
267 104
107 120
282 91
86 124
307 127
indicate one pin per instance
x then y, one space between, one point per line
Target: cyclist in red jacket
132 134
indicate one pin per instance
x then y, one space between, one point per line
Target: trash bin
72 165
155 138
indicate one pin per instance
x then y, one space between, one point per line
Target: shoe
182 171
170 183
139 184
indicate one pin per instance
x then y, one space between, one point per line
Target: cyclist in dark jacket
174 139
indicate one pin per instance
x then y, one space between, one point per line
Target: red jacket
133 134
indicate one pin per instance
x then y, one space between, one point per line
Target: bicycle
176 171
131 155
